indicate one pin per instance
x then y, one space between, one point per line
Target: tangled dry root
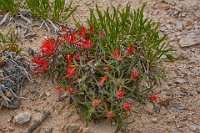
14 70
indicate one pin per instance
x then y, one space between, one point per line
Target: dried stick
39 122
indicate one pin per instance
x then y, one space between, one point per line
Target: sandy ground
180 19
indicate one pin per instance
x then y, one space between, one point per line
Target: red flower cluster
107 68
70 71
130 50
70 90
120 94
49 46
117 56
42 65
103 80
96 102
127 106
110 115
70 57
153 98
59 88
135 75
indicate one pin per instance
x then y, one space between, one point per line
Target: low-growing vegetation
10 41
107 67
56 11
11 6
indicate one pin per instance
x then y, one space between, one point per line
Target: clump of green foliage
9 41
56 11
108 66
11 6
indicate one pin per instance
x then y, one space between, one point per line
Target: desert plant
103 68
56 11
9 41
125 28
61 12
11 6
39 8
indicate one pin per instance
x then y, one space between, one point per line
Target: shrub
106 67
11 6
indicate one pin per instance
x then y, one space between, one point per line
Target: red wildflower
69 58
153 97
87 44
110 114
91 28
69 38
71 70
129 50
135 75
42 64
127 106
82 31
96 102
120 94
59 88
70 90
107 68
77 56
117 56
103 80
101 34
72 38
48 46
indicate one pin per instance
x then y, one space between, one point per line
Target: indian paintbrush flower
153 98
117 56
110 115
130 50
135 75
70 90
96 102
127 106
49 46
107 68
120 94
103 80
71 71
42 64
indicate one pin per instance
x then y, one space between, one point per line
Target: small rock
22 118
149 107
154 120
71 128
180 81
183 14
179 106
192 38
193 128
48 130
179 25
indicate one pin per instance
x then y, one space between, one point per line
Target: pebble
71 128
48 130
193 128
154 120
192 38
180 81
179 106
22 118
